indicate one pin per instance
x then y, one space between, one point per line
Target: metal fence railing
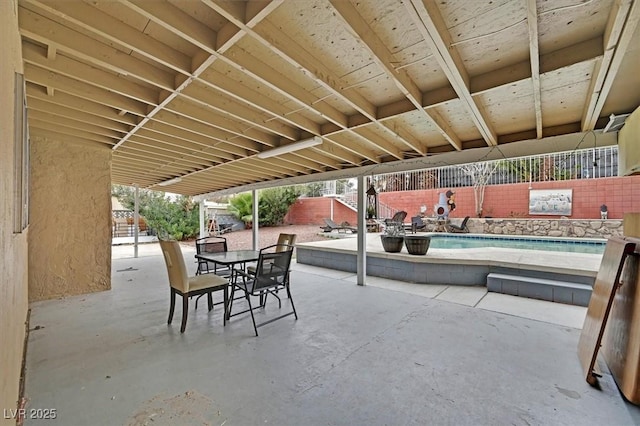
586 163
580 164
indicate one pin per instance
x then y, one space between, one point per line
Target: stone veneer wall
547 227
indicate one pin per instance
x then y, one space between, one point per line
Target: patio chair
452 227
271 275
284 240
186 286
417 224
211 245
398 218
332 226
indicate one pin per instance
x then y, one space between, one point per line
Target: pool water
590 246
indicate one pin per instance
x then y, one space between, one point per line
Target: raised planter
392 244
417 244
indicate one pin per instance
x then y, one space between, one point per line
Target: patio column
203 225
136 219
254 228
361 257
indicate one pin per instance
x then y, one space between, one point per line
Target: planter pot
417 244
391 244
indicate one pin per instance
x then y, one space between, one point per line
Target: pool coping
576 264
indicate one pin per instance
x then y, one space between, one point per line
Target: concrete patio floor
387 353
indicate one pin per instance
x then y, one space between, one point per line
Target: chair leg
210 300
292 305
225 296
172 305
185 311
230 304
251 312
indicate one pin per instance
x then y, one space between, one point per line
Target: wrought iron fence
587 163
580 164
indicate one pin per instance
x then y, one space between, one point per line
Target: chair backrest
464 222
417 220
211 245
330 223
286 240
176 269
273 265
399 216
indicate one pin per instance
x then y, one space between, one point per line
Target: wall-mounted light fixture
295 146
170 181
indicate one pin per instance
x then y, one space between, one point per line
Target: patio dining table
230 258
234 259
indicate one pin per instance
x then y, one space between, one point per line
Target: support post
361 257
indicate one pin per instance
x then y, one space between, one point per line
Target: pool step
540 288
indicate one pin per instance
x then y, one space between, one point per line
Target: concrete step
570 293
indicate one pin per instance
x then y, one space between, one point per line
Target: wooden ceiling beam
229 87
621 27
57 129
90 75
37 104
46 78
80 104
94 21
430 23
203 94
42 130
384 58
534 59
48 32
72 123
243 137
176 21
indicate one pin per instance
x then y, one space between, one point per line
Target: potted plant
417 244
393 237
371 212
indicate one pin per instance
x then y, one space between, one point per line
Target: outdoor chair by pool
452 227
271 275
417 224
397 219
180 283
332 226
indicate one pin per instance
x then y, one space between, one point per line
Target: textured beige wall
13 247
70 231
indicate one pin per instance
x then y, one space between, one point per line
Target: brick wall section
312 211
620 194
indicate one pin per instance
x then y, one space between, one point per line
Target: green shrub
177 219
241 206
275 203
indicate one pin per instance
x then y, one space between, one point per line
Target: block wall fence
620 194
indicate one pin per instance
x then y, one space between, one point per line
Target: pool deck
450 266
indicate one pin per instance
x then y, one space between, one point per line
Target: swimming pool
570 245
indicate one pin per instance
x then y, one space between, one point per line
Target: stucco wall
13 247
70 235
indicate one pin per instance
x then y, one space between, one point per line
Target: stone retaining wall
581 228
